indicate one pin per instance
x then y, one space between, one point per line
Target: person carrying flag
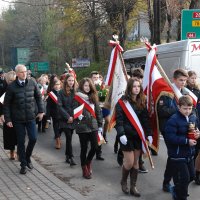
129 137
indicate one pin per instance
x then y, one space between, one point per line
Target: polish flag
42 91
154 86
78 111
2 98
53 97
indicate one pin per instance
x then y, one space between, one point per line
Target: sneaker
23 170
172 191
142 169
167 187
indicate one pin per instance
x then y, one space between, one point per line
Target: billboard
80 62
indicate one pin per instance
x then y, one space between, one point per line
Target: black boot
133 180
125 174
197 178
67 160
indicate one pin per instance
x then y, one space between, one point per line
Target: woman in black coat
130 141
52 110
66 123
9 134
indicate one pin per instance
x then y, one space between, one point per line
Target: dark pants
56 129
21 130
168 174
68 134
85 138
183 174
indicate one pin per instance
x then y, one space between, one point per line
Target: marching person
19 110
66 124
166 107
181 134
130 142
194 87
89 123
9 134
52 110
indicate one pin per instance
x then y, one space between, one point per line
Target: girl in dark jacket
194 87
130 142
52 110
88 124
66 104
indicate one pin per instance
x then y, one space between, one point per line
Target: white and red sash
53 97
42 91
2 97
89 106
190 93
131 115
78 111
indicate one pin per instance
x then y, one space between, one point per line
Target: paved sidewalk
36 184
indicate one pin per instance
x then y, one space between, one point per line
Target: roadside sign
190 24
39 66
80 62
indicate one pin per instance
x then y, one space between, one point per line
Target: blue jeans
21 130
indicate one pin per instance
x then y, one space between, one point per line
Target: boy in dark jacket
181 146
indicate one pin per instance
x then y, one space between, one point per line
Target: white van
183 54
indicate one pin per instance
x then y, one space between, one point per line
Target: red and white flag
117 79
100 138
154 86
53 97
42 91
78 111
2 98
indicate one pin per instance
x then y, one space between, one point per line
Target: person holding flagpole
66 123
131 106
89 124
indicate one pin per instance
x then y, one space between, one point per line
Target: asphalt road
105 183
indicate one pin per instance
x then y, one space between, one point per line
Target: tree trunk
156 35
169 19
194 4
150 20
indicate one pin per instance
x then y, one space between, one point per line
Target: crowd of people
30 104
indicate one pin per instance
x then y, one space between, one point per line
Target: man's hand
192 142
40 116
9 124
70 120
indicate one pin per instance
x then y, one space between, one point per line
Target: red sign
196 14
191 35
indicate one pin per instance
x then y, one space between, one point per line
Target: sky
3 5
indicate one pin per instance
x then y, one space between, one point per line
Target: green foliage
101 67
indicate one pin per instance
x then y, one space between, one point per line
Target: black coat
19 103
124 126
52 108
66 109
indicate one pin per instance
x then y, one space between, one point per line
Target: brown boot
133 180
85 172
12 154
58 143
89 167
125 174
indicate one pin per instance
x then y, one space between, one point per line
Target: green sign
39 66
190 24
23 55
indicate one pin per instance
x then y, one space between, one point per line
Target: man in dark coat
20 102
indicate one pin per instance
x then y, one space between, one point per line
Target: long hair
196 86
51 82
93 97
140 100
66 87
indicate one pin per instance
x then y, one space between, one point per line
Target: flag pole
149 156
